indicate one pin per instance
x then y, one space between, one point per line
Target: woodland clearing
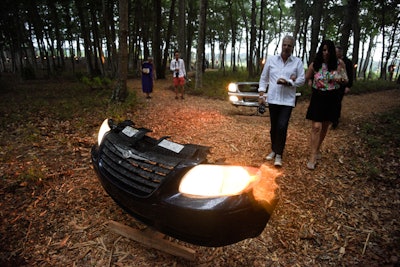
54 211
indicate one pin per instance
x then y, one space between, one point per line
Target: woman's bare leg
324 130
316 128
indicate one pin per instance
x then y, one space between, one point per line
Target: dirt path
327 217
240 135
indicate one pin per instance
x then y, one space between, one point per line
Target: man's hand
261 99
281 81
284 82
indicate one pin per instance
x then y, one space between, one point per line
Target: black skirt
324 106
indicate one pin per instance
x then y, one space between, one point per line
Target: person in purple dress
147 77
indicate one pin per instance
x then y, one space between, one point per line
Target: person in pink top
324 76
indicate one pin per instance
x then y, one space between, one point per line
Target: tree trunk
97 49
233 25
157 37
57 34
315 27
200 46
364 67
85 34
252 37
167 38
383 69
350 11
356 38
192 14
261 38
121 91
182 30
108 7
390 47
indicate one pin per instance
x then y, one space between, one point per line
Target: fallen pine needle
366 243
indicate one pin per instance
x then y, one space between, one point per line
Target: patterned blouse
324 79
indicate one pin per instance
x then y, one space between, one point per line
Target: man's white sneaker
278 161
270 156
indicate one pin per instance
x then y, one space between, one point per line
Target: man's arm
300 79
264 78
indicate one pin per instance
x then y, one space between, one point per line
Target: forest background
110 38
53 209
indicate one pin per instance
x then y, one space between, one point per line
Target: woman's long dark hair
332 61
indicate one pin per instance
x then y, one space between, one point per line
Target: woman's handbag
341 76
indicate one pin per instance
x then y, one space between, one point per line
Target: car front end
171 187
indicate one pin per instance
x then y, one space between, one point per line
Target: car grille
139 165
248 87
138 173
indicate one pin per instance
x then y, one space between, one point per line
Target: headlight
233 98
104 128
232 87
216 180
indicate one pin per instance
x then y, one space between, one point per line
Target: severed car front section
171 187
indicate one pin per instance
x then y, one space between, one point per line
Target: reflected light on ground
265 189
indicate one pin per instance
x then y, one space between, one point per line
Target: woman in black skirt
324 75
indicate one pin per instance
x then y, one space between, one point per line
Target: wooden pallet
153 239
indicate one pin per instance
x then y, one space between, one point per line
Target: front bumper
143 178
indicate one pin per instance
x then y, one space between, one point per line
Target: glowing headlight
232 87
215 180
104 128
233 98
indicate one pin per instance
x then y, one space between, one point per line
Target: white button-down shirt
274 69
178 64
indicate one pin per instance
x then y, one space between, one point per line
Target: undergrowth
379 154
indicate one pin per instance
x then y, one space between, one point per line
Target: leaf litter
54 211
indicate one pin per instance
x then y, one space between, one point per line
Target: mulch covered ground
328 217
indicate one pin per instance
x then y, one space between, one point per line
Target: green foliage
372 86
381 138
96 82
359 87
117 110
31 174
215 83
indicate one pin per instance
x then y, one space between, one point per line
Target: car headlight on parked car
232 87
104 128
216 180
233 98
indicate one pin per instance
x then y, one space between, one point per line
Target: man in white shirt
282 74
177 67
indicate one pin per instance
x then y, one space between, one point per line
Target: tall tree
157 37
200 45
383 27
182 30
317 9
253 36
350 23
161 73
121 91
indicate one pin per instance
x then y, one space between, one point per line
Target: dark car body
142 175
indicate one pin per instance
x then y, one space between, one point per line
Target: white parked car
245 94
